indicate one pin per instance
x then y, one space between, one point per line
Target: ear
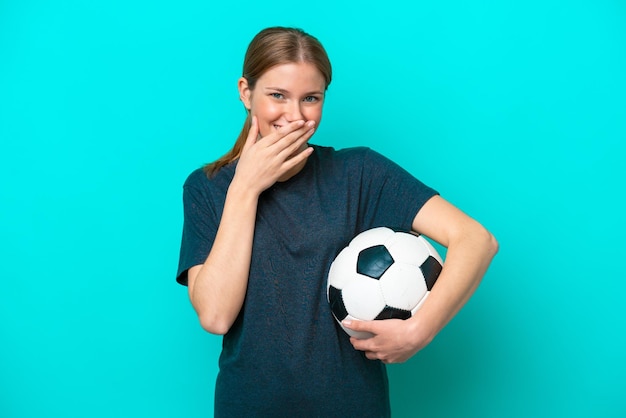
244 92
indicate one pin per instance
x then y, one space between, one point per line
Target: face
283 94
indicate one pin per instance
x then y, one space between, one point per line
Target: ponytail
212 168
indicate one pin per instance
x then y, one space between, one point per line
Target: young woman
262 226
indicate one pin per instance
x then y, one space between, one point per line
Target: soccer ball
381 274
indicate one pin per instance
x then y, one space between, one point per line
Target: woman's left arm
470 251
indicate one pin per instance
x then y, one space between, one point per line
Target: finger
290 134
253 133
371 355
291 148
283 131
356 325
297 159
295 139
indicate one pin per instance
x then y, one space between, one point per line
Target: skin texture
284 94
286 107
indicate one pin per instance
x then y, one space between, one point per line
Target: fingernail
346 322
310 123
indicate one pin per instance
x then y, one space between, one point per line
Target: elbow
495 246
480 239
213 325
213 317
490 243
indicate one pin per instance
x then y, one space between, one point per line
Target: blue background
515 111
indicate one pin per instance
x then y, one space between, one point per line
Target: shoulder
199 179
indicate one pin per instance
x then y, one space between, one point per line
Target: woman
264 222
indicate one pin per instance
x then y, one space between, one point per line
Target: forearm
468 257
218 289
470 250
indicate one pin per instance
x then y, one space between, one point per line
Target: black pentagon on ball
374 261
336 303
393 313
430 269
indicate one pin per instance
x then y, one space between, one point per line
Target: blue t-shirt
285 355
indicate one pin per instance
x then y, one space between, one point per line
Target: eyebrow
283 91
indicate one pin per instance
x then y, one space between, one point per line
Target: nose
294 111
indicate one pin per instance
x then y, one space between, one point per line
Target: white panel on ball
363 298
407 248
403 286
342 269
380 275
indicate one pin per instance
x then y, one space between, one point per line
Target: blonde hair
269 48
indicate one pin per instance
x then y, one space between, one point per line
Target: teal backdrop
515 111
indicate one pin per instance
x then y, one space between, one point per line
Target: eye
311 99
277 95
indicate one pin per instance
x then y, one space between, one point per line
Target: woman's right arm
217 288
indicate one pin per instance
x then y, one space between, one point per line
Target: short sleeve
199 229
392 195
